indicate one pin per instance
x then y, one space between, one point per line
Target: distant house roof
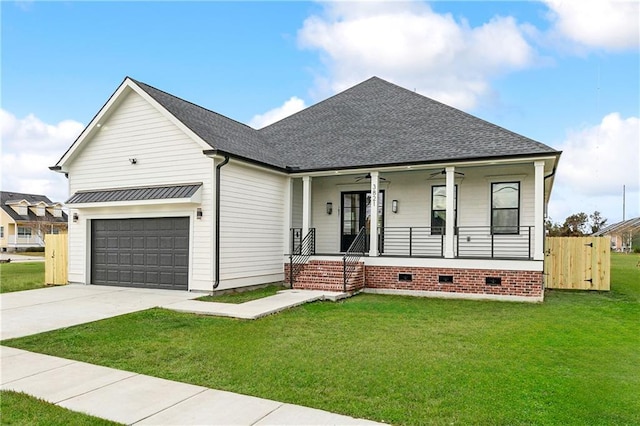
8 197
372 123
135 194
630 225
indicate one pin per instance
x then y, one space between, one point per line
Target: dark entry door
146 252
356 213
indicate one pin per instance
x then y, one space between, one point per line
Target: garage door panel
146 252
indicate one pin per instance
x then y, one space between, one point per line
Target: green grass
21 276
574 359
245 296
20 409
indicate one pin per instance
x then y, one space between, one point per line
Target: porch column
306 205
373 223
450 221
538 240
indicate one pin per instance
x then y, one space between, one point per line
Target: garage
141 252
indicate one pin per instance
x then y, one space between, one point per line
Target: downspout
217 249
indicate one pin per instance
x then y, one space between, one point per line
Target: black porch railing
480 242
412 241
301 250
493 242
353 254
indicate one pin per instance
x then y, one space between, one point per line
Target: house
26 218
623 234
167 194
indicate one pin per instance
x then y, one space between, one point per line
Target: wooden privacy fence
578 263
55 259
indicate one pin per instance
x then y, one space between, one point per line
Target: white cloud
291 106
604 24
29 147
410 45
596 162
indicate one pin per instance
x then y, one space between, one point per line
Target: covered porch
451 217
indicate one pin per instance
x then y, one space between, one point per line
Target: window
1 231
24 232
505 208
439 208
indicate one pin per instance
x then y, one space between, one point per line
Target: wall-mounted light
394 206
329 207
75 217
198 213
133 160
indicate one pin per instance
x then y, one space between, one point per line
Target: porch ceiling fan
368 176
443 172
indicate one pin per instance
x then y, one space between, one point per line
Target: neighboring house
622 234
171 195
26 218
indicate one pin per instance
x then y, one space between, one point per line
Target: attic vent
447 279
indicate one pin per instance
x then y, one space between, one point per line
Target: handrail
300 254
353 254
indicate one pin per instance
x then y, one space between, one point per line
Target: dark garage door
149 252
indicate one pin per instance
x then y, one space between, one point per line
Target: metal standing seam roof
135 194
620 227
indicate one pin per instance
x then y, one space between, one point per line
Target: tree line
576 225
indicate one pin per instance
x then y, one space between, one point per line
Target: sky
564 73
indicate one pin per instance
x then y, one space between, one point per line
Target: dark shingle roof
134 194
376 123
220 132
8 196
373 123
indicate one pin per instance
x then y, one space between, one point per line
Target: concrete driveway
35 311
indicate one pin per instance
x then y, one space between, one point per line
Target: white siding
412 189
251 225
165 155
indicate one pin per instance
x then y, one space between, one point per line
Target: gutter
217 248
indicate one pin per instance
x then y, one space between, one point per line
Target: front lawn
20 409
575 359
20 276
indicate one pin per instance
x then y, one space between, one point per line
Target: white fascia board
114 101
548 159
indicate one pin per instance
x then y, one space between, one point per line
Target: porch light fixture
75 217
394 206
329 207
198 213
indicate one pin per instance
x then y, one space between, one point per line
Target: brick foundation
470 281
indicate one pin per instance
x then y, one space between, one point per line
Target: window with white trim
23 231
505 207
1 231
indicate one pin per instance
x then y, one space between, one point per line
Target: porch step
328 275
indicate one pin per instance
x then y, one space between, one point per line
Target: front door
356 213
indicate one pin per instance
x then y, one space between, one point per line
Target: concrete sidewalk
133 398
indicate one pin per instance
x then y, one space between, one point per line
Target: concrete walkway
129 397
132 398
258 308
